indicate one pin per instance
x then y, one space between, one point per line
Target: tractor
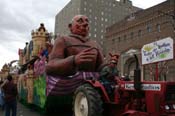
130 98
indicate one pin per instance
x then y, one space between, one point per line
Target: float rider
110 71
109 74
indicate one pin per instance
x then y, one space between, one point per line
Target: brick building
138 29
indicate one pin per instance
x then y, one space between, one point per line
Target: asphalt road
26 111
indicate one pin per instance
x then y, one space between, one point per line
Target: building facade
101 14
138 29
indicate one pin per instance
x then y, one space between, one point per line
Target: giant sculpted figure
75 52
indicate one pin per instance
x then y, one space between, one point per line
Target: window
113 40
148 28
102 13
102 18
132 35
158 27
139 33
78 9
119 39
95 35
106 19
95 18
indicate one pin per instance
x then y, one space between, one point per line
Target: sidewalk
23 111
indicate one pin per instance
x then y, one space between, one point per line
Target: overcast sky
19 17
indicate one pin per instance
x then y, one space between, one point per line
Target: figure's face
80 25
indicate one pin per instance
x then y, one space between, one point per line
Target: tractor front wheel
87 101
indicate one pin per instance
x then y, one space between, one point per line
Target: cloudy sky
19 17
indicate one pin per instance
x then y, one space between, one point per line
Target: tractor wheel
87 101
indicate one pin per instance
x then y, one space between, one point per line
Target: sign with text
148 87
158 51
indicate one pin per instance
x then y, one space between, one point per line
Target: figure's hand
85 56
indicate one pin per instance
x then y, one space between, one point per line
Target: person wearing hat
109 73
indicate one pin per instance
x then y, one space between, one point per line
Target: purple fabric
66 85
39 66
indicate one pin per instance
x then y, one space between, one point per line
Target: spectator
1 97
10 96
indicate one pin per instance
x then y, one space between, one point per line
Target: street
25 111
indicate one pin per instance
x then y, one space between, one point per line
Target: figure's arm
58 64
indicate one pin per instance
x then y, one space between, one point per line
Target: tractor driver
109 74
75 52
110 71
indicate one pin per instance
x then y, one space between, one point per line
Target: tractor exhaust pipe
137 75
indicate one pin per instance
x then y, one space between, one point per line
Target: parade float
31 75
88 96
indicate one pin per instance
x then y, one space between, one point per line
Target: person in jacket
10 96
1 97
109 75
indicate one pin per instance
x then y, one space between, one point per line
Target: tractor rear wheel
87 101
